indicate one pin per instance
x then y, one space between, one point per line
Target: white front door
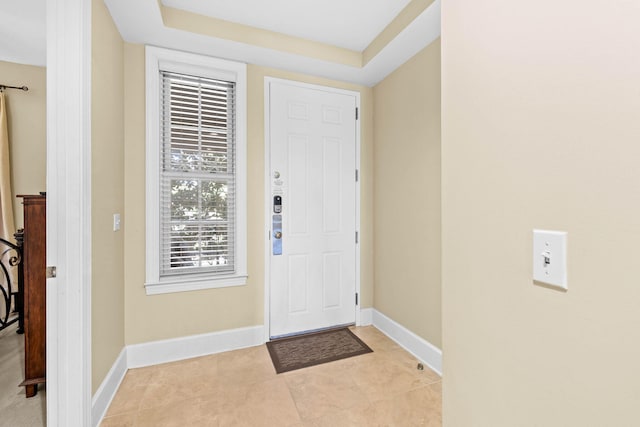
313 231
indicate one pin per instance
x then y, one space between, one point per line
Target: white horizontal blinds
197 175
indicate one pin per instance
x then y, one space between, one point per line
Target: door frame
68 334
267 190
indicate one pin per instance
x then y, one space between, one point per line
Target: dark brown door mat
289 354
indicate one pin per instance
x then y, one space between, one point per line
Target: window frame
158 59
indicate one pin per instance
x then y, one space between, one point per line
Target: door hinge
51 272
356 298
356 113
356 175
356 237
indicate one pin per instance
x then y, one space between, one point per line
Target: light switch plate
550 257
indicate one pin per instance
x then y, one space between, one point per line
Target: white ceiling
23 31
351 24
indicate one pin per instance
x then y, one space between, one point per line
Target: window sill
184 284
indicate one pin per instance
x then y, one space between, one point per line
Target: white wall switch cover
116 222
550 257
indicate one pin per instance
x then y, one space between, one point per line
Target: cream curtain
7 225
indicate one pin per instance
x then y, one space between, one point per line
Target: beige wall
107 188
26 116
407 195
541 129
149 318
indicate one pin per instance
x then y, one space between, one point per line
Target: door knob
278 235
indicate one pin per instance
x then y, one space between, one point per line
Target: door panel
332 280
312 161
298 185
331 190
298 283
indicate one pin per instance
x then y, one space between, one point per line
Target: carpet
289 354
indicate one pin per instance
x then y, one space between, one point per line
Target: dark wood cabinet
34 264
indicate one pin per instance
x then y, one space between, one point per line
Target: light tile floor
241 388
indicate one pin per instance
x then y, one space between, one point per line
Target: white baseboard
426 352
366 316
156 352
107 390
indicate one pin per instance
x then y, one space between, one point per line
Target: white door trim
267 190
69 213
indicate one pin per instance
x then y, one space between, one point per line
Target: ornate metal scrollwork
10 260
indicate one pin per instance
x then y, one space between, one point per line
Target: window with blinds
197 175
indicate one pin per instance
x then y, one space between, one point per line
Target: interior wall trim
68 312
426 352
366 317
105 393
171 350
